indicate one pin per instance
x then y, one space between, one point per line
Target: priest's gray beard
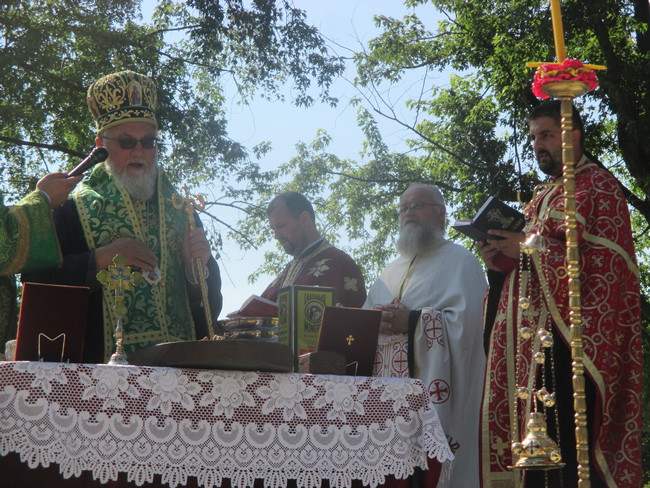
416 238
141 186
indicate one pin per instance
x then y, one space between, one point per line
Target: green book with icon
300 312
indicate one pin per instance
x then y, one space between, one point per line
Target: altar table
214 426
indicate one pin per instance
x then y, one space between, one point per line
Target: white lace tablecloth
214 425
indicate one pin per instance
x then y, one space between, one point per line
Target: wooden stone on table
240 355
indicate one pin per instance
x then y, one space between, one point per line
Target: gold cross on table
118 278
349 339
190 204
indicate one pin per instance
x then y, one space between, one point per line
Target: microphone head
97 155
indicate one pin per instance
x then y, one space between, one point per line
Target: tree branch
193 63
394 118
429 140
643 206
230 227
392 180
53 147
171 29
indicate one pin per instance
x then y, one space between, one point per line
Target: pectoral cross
189 204
118 278
349 339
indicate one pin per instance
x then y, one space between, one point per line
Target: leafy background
466 135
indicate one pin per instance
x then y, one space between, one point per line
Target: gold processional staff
530 451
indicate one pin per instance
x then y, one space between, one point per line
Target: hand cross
118 278
189 204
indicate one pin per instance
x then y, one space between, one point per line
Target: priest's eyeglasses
416 206
127 143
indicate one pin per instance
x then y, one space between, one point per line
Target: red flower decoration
570 69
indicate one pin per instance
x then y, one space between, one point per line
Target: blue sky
347 23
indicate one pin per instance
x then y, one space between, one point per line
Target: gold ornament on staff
118 278
190 204
581 80
537 450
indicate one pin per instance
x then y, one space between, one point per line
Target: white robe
448 284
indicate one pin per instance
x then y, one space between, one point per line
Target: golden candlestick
558 31
566 91
118 278
190 204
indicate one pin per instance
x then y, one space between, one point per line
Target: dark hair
295 202
553 109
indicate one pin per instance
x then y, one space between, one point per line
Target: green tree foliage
52 50
469 136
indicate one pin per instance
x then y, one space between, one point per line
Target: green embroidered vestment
155 313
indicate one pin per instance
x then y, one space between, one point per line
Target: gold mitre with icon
122 97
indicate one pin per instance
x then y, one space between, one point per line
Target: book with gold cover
300 311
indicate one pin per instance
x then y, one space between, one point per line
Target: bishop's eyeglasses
415 207
126 143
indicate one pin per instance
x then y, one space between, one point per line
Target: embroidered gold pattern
122 97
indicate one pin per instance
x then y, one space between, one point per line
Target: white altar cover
216 425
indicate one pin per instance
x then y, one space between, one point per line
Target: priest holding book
315 261
533 304
431 299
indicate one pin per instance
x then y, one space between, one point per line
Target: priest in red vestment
611 315
316 262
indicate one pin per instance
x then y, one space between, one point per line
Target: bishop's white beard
416 238
141 185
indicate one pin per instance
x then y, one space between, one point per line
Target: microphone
97 155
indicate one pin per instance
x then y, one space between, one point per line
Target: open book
494 214
256 306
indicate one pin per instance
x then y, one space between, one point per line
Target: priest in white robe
432 324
